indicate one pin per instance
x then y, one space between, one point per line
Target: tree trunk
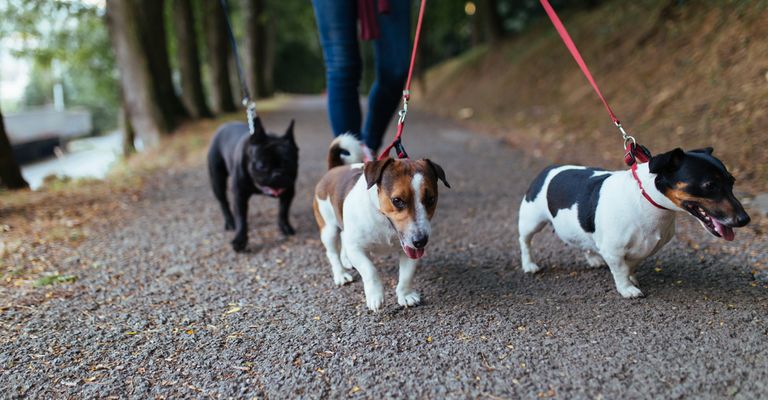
152 27
129 134
189 62
10 173
258 59
490 20
139 93
218 57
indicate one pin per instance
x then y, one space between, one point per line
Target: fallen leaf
232 310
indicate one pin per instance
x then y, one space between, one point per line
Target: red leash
397 144
634 153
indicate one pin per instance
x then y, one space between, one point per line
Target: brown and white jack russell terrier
377 205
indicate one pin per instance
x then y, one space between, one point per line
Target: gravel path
165 309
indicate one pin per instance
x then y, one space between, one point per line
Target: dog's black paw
286 229
238 244
229 225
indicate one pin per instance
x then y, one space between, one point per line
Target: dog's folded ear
289 133
438 170
374 170
666 162
258 135
706 150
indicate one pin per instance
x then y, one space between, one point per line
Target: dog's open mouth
270 191
714 226
413 253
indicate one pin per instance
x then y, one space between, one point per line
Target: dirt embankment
678 74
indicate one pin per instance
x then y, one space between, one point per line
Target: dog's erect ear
706 150
438 170
289 132
259 135
374 170
666 162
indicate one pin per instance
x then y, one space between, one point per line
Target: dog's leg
285 207
594 260
530 222
218 174
406 296
241 221
621 271
345 260
330 238
374 290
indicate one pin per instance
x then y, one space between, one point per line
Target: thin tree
489 21
218 57
139 94
152 27
257 48
189 62
10 173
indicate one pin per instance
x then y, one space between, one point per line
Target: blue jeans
337 23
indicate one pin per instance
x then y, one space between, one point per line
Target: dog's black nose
742 219
420 241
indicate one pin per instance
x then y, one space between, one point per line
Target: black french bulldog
258 163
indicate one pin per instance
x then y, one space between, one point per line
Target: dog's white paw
374 300
342 278
531 268
595 261
409 299
633 279
630 292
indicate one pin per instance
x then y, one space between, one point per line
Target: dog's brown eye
708 186
398 203
429 200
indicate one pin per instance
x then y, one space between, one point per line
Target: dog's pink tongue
412 253
726 232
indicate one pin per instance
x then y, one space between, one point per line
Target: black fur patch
576 186
537 184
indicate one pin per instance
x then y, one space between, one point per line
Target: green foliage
298 56
72 33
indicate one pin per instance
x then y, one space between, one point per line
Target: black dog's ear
706 150
374 170
438 170
258 135
289 132
666 162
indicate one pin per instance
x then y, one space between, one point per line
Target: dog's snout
742 219
420 241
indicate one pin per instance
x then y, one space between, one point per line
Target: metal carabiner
250 111
403 111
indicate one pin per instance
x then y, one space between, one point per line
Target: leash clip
250 111
624 135
403 111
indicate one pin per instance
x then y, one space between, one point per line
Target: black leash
250 106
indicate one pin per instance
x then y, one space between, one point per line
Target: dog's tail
345 149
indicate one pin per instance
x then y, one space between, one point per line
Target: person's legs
393 54
337 23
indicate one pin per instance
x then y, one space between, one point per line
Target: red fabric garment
366 12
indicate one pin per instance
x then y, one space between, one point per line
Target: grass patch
54 279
